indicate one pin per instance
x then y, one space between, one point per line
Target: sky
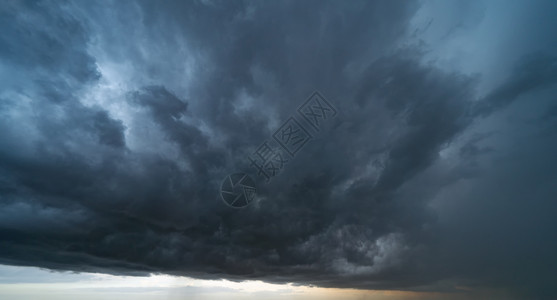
423 164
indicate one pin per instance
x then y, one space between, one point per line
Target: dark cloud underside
120 119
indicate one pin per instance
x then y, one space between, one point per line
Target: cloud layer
120 120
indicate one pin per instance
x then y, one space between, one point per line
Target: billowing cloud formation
119 121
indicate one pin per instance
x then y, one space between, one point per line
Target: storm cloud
119 121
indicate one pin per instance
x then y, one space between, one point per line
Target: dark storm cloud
83 190
532 72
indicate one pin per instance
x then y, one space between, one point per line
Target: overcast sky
119 120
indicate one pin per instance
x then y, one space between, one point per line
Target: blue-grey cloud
119 121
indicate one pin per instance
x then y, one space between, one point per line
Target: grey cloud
533 71
352 209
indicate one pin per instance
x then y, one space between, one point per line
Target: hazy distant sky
437 178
